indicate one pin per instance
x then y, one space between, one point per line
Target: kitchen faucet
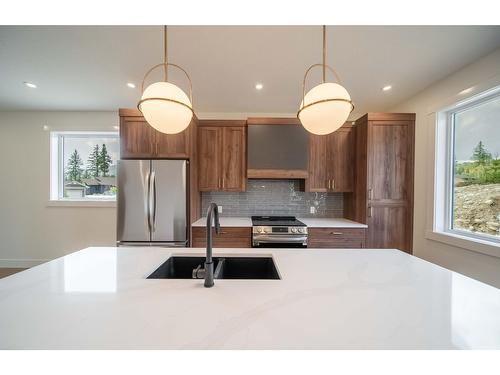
209 265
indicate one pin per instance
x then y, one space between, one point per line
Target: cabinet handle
218 183
370 193
333 184
328 184
337 233
223 182
369 211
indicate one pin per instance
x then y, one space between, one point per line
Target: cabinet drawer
336 238
228 237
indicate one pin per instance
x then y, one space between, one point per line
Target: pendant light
164 105
326 107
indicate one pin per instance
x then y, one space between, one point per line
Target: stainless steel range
278 231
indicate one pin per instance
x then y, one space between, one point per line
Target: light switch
312 210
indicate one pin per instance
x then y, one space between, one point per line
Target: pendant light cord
165 52
324 53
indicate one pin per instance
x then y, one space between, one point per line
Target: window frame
57 170
445 136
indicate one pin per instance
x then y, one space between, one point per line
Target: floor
4 272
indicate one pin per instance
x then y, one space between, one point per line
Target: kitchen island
99 298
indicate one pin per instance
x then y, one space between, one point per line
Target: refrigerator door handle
146 201
152 200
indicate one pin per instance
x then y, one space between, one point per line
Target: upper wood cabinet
331 160
383 196
222 155
139 140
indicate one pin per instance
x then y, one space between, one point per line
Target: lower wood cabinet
228 237
336 238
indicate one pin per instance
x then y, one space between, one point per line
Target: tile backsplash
275 197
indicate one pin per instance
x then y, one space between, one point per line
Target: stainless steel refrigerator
152 203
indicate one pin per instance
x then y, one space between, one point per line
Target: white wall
479 266
30 230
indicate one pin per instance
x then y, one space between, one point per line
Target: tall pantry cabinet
383 193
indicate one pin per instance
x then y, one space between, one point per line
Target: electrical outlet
220 209
312 210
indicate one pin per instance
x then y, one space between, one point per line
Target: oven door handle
278 238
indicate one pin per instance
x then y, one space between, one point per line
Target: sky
480 123
85 145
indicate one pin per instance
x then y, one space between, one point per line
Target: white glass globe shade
166 116
326 117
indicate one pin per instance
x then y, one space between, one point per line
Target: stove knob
260 230
268 230
294 230
302 230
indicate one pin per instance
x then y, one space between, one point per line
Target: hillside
477 208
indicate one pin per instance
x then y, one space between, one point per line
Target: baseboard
21 263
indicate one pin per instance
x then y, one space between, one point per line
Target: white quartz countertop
310 222
226 222
331 223
99 298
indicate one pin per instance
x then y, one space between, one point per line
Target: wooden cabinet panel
140 140
233 158
336 238
341 161
387 228
228 237
137 139
209 159
389 160
172 145
331 159
318 171
222 157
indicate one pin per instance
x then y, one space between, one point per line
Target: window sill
77 203
464 242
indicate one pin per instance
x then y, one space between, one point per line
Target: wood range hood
277 149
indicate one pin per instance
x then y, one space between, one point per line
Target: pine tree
104 161
74 170
480 154
93 164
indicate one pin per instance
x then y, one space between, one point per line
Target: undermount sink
229 267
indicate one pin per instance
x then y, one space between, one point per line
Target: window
472 187
84 166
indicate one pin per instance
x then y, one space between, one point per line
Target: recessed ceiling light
259 86
131 85
386 88
30 85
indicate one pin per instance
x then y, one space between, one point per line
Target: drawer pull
337 233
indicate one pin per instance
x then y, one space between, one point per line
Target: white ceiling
87 67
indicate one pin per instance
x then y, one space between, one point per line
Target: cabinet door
209 158
171 145
233 158
318 169
137 139
340 160
387 228
390 163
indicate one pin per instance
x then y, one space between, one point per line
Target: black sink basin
178 268
181 267
247 268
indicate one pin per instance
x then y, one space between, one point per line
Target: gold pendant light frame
325 67
165 65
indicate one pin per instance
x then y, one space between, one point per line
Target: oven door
279 240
